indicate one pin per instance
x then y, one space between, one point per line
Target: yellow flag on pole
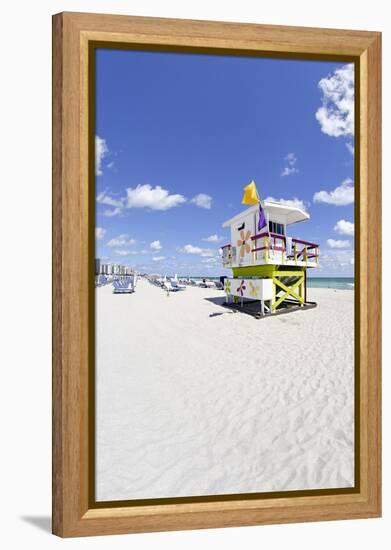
250 195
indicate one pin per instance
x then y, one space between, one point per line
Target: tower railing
302 251
269 242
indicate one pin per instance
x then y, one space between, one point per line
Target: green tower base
289 282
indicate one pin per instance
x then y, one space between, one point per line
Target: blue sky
178 136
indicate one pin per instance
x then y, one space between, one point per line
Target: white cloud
155 245
341 196
121 240
101 151
290 165
146 196
113 212
155 198
339 261
125 252
104 198
338 244
202 200
116 203
344 227
211 261
296 203
190 249
289 170
350 147
99 232
158 258
213 239
336 116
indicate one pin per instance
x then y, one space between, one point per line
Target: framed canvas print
216 295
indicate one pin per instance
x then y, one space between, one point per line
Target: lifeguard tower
268 265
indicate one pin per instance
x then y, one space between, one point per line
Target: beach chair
123 287
176 286
102 280
167 285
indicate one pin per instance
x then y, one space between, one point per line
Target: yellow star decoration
253 290
227 286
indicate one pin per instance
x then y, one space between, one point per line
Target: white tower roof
276 211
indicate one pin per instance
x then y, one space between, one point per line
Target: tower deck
270 249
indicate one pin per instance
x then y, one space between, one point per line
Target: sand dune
194 404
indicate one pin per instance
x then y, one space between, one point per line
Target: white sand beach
190 403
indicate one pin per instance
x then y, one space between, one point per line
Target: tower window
276 228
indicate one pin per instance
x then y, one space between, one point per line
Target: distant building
97 266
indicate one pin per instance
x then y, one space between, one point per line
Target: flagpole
267 238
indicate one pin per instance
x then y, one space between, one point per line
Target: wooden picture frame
74 36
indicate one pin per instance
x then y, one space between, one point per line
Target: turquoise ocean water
342 283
